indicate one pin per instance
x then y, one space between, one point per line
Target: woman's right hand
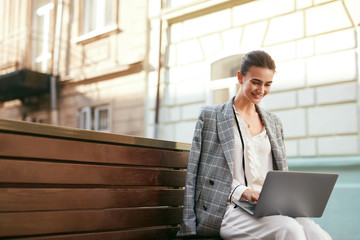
250 195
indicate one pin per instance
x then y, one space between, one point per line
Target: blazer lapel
270 128
272 133
225 126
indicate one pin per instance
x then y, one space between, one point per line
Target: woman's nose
260 89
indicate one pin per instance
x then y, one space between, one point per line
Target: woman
234 145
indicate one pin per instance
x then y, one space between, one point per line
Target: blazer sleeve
188 226
281 158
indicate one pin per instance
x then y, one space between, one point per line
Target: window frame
44 59
88 117
230 83
97 118
100 31
225 83
85 111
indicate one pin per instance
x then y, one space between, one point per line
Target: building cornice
104 74
199 8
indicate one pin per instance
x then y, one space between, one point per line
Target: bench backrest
63 183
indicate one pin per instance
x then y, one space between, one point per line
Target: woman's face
256 83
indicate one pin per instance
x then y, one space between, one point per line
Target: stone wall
315 90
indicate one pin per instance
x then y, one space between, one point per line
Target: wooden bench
64 183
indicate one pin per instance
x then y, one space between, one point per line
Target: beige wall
124 95
104 67
314 43
14 34
108 69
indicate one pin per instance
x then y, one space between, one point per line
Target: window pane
42 34
98 14
89 15
108 12
40 3
85 118
92 17
103 120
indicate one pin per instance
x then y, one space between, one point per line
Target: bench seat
64 183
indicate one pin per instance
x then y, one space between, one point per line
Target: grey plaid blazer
210 167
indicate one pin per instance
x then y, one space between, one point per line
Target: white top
258 159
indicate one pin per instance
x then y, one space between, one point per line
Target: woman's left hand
250 195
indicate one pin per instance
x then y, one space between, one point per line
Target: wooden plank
28 199
157 233
55 222
25 146
19 171
80 134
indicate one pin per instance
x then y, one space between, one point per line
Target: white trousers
237 224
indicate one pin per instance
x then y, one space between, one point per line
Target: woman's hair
257 58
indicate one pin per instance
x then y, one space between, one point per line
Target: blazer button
205 208
211 182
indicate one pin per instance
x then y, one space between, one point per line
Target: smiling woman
234 145
255 77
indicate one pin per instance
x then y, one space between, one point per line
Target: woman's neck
243 105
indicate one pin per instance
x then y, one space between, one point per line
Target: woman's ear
240 77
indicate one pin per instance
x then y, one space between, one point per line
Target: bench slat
71 150
157 233
27 199
51 131
19 171
55 222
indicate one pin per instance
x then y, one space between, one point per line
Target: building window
101 119
223 82
85 118
43 24
35 119
95 118
98 14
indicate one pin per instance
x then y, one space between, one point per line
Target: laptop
294 194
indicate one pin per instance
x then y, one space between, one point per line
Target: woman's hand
250 195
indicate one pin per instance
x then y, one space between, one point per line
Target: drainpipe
157 107
55 76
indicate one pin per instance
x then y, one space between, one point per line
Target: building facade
315 90
91 54
146 67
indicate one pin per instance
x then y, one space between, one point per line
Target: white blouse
258 159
